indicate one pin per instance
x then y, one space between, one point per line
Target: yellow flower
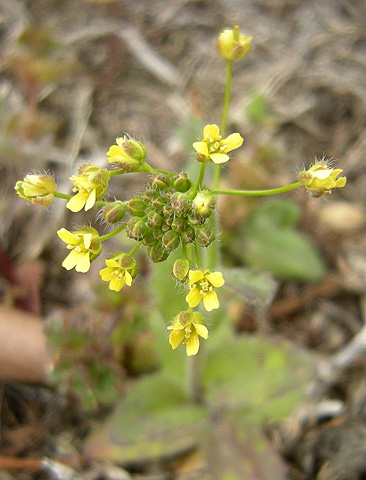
321 178
128 154
37 189
120 270
202 285
187 326
231 45
213 147
91 183
84 245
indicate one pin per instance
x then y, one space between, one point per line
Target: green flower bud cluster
165 215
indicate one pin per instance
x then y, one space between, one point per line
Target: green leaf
259 378
155 420
287 254
272 245
256 288
278 212
237 450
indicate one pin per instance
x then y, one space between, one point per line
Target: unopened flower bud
154 219
167 210
180 203
149 238
182 183
204 203
137 207
205 236
157 253
170 240
128 154
188 235
160 181
37 189
181 269
136 228
178 224
114 212
232 45
158 202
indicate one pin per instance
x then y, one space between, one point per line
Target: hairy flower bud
204 203
157 253
154 220
160 181
182 183
170 240
37 189
136 228
188 235
181 269
231 45
180 203
128 154
178 224
137 207
205 235
114 212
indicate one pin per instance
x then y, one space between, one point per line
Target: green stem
194 377
225 110
145 169
198 185
134 249
112 234
62 195
198 254
224 115
257 193
184 250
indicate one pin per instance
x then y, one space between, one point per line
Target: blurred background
77 74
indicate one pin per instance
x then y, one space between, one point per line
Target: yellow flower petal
175 338
194 297
114 151
233 141
67 236
111 262
128 278
211 132
71 260
117 283
201 147
341 182
201 330
219 158
77 202
91 200
195 276
210 301
83 264
87 238
216 279
107 274
192 345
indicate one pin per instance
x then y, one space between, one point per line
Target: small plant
173 213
